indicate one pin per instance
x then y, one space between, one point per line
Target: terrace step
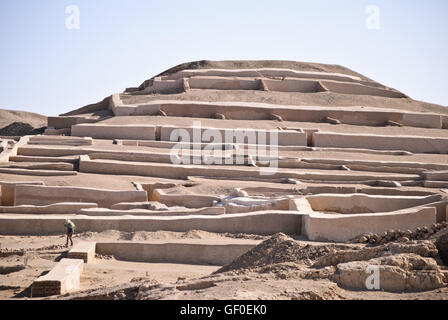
414 144
261 223
361 116
42 173
175 171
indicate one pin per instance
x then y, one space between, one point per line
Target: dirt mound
422 233
442 247
397 273
421 248
10 116
278 249
20 129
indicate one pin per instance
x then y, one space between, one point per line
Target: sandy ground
43 253
176 281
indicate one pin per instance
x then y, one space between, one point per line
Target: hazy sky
48 68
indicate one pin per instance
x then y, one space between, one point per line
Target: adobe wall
67 122
133 156
207 253
262 223
369 163
8 189
57 140
440 207
57 132
294 85
4 156
355 88
184 171
83 250
100 131
185 200
270 73
63 278
45 195
259 111
341 228
261 83
285 137
435 184
445 122
144 212
223 83
436 175
159 85
244 204
57 208
36 172
71 160
415 144
265 72
58 166
361 203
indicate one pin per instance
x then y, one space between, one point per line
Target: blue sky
49 69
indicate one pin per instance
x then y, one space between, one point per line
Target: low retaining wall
64 278
361 203
435 184
262 111
66 122
43 159
61 140
41 173
57 132
436 175
407 143
247 136
57 166
45 195
205 252
151 213
184 171
4 156
57 208
101 131
341 228
83 250
294 85
223 83
172 86
9 190
359 89
185 200
367 163
287 84
262 223
264 72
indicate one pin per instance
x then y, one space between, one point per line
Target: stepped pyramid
301 148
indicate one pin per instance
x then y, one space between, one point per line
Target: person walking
70 230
